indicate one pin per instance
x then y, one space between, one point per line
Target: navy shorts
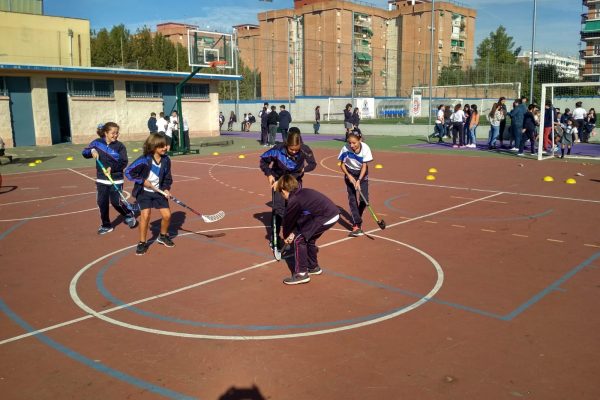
152 200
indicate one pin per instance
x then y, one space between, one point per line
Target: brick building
345 48
590 35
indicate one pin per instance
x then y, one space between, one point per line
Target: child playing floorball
151 173
307 216
113 156
354 157
293 158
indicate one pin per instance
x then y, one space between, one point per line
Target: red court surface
485 285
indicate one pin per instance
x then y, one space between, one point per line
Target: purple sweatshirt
307 210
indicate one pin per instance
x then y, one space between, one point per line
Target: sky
558 23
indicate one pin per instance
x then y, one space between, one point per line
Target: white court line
470 198
84 175
189 177
591 245
517 235
94 313
555 240
415 184
458 226
45 198
48 216
30 188
488 230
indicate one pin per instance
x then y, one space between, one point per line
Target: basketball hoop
220 65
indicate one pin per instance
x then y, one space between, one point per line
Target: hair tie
100 126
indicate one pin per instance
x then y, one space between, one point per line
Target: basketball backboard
204 48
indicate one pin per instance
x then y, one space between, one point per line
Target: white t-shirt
579 113
440 116
458 116
354 160
170 127
161 124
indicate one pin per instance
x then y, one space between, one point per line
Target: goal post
336 107
548 92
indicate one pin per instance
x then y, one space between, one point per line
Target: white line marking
416 184
592 245
69 187
49 328
74 281
48 216
100 315
488 230
555 240
431 222
470 198
45 198
190 177
84 175
517 235
458 226
30 188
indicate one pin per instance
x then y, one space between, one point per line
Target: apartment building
352 48
590 35
566 67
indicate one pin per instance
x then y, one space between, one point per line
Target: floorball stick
208 218
132 208
380 222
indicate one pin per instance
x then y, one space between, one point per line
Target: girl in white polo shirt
354 157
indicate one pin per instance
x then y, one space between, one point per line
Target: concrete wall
41 39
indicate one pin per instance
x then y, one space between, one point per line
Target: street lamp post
431 61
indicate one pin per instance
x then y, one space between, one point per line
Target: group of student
168 126
351 118
461 124
271 122
301 214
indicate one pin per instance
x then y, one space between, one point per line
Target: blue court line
109 296
98 366
554 286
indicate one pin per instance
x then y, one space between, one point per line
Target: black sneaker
297 279
103 230
164 239
315 270
141 248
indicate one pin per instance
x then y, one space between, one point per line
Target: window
3 87
142 90
91 88
195 91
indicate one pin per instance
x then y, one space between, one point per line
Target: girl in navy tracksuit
113 155
152 176
290 158
307 216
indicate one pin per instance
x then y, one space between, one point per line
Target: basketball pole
178 149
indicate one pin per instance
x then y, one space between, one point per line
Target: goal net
484 95
576 100
336 106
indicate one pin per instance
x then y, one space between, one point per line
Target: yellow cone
241 156
432 171
339 163
136 150
548 179
430 178
38 161
571 181
216 153
69 158
378 166
32 164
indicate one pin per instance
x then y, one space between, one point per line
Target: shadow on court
234 393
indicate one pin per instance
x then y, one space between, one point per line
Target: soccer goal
484 95
563 96
336 106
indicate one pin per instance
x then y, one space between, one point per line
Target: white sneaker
514 149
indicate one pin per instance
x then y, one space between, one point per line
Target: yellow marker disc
32 164
378 166
216 153
136 150
548 179
69 158
339 163
432 171
430 178
38 161
241 156
571 181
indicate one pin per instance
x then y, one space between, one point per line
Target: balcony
589 53
589 2
585 17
